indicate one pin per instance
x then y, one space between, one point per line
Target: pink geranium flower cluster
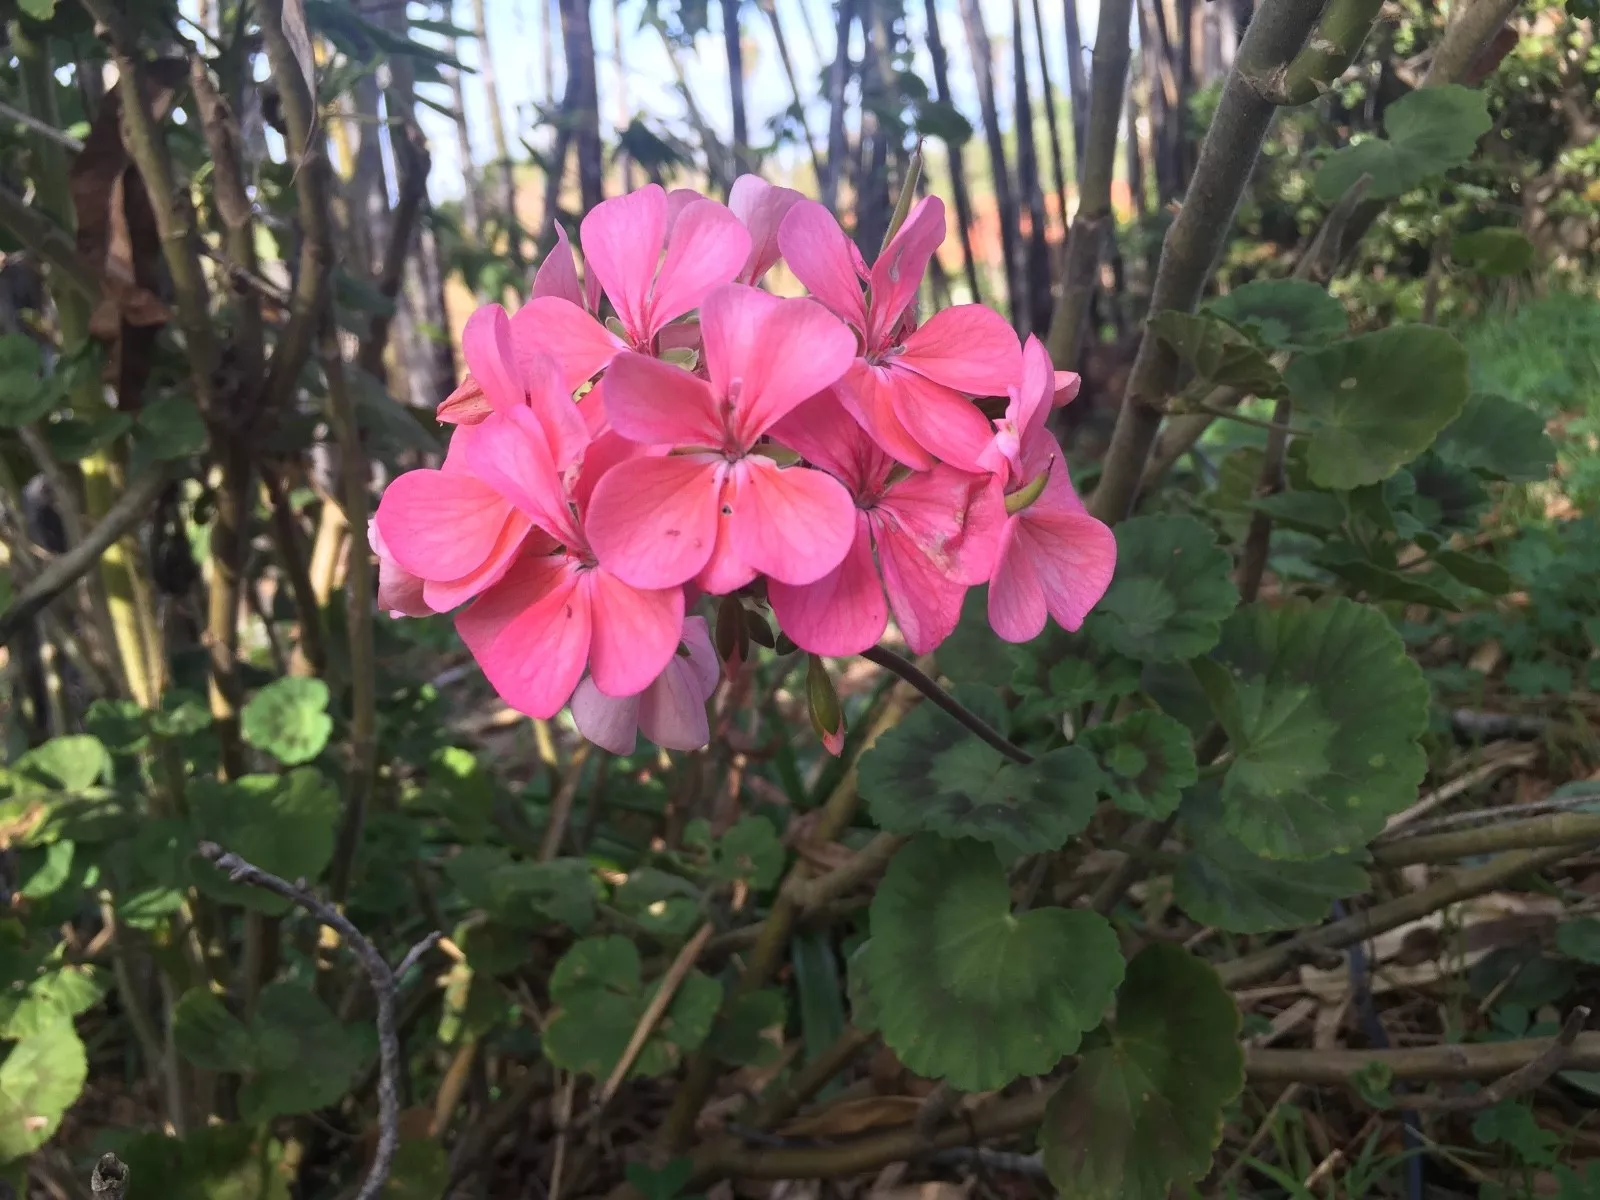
604 473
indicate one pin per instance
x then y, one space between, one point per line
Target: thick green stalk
1332 48
1197 236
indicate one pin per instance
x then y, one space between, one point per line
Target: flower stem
890 661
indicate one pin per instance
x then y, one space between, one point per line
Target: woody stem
890 661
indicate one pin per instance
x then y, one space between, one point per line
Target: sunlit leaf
1285 314
1428 131
288 719
39 1080
1217 352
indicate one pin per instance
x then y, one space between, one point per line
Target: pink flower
934 531
399 591
1054 558
717 510
623 240
761 207
909 387
671 711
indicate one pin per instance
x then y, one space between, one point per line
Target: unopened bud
686 357
733 642
785 646
755 625
827 716
1026 495
616 327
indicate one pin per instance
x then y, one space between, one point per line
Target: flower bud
733 640
755 625
827 715
784 645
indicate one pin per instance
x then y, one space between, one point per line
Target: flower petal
952 517
843 612
467 405
970 348
824 433
635 632
944 422
530 634
782 352
440 525
1017 610
897 274
926 602
822 258
1032 396
672 710
708 246
654 525
658 404
866 394
399 591
622 241
725 571
491 357
791 524
510 454
1073 554
564 332
612 724
761 207
558 273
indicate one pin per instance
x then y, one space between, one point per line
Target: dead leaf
299 37
856 1116
933 1189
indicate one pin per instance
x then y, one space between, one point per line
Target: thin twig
654 1011
384 988
1524 1079
907 670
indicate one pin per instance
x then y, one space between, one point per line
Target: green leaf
25 397
44 870
73 763
1283 314
304 1057
1144 1113
1380 583
39 10
1498 438
1372 1081
1307 512
1222 884
969 655
750 851
661 1184
1429 131
943 120
421 1171
1375 402
1580 940
208 1035
39 1080
532 894
600 996
288 719
281 823
739 1038
168 428
665 905
1170 594
217 1162
1217 352
1147 759
1495 251
929 774
54 996
118 724
967 991
1323 708
1475 571
77 437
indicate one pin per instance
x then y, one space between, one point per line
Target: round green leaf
25 396
751 851
1170 594
929 773
73 763
1144 1113
168 428
1499 438
1323 709
216 1162
1285 314
282 823
1217 352
303 1056
39 1080
739 1038
1375 402
969 654
1429 131
1494 251
1580 940
288 719
1147 759
208 1035
964 990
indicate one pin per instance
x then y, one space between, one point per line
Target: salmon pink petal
530 634
781 352
761 207
843 612
592 405
654 524
1067 386
517 536
705 669
399 591
944 422
440 525
558 273
867 394
725 571
605 452
823 433
622 241
611 724
509 453
1032 396
551 406
970 348
467 405
822 258
1017 611
791 524
1073 554
656 403
555 327
707 248
491 357
897 274
948 515
635 632
679 199
926 602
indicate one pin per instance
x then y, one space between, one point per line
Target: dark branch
890 661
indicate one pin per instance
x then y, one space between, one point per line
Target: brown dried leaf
856 1116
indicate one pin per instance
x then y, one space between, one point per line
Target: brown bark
1004 196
